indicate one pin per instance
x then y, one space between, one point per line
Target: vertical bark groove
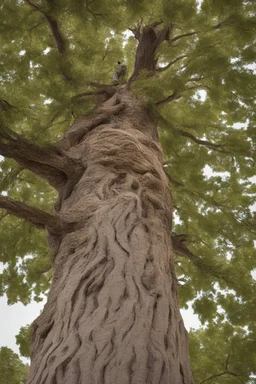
112 314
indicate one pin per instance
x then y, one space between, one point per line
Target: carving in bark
112 314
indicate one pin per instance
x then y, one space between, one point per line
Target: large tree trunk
112 315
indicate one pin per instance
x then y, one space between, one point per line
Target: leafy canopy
11 367
202 94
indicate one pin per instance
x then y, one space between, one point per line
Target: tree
115 232
11 367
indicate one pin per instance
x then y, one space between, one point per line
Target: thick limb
53 166
34 216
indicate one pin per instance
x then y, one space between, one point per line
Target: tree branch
221 374
208 144
161 69
172 180
84 94
180 248
49 164
181 132
168 99
46 172
175 95
219 25
181 36
59 39
4 105
137 30
196 79
34 216
94 14
32 5
227 361
216 147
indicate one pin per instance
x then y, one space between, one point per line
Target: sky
13 317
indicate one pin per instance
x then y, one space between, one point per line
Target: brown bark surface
149 42
112 315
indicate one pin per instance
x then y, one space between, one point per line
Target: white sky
12 318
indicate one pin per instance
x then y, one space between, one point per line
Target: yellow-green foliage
13 371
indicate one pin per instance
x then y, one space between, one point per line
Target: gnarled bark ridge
112 315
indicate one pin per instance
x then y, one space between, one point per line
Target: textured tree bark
149 42
112 315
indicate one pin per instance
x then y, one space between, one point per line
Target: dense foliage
55 54
11 367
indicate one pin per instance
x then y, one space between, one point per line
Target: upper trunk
112 315
150 38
